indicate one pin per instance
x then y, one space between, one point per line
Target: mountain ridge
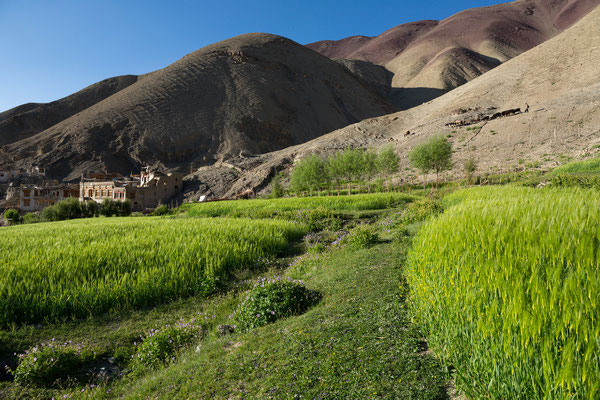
246 95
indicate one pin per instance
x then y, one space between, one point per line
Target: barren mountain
244 96
429 58
559 80
29 119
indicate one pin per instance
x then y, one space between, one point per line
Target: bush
420 210
577 180
161 210
362 237
124 207
31 218
316 219
52 363
70 208
160 346
277 190
270 300
12 216
90 209
49 214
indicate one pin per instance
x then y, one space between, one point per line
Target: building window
176 185
25 202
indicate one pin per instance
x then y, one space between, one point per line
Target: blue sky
52 48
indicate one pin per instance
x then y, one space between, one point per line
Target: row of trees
360 165
72 208
348 166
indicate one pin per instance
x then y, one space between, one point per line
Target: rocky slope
29 119
244 96
429 58
559 79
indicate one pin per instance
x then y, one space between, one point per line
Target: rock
223 330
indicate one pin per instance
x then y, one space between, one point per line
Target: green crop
265 207
505 284
78 268
587 166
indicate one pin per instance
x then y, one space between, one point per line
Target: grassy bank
357 343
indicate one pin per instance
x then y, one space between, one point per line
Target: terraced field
505 284
74 269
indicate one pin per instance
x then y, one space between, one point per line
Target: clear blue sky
52 48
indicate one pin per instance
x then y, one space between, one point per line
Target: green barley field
74 269
236 208
505 285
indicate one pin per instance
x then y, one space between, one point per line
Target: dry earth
559 79
251 94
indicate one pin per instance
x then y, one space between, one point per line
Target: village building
148 191
28 198
6 175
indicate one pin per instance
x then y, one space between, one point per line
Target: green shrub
272 299
160 346
90 209
31 218
52 363
12 216
124 208
577 180
161 210
505 286
362 237
114 208
419 211
277 189
68 209
49 214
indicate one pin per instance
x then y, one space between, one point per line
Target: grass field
265 208
75 269
358 343
505 284
577 167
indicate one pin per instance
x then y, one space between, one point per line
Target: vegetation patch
588 166
162 345
362 236
49 272
263 208
505 285
52 363
271 299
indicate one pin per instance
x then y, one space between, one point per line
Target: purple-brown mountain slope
559 79
437 56
248 95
